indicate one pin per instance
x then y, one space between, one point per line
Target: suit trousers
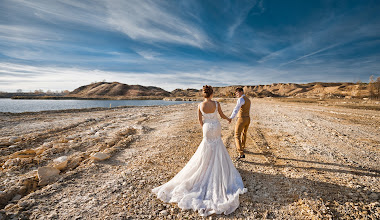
241 129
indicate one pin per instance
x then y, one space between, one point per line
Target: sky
64 44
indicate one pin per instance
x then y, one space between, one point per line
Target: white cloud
84 12
154 21
148 21
149 55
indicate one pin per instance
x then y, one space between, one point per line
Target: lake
35 105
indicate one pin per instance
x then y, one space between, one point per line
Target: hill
309 90
118 90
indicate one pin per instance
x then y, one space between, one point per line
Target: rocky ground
303 161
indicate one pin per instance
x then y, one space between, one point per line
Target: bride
209 183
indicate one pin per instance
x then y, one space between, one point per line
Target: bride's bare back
209 106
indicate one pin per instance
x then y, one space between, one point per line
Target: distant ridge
117 90
310 90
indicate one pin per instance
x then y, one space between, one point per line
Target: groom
242 111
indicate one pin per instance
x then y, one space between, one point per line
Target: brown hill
311 90
118 90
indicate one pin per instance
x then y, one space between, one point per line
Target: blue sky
57 45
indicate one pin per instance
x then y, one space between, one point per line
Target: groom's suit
242 111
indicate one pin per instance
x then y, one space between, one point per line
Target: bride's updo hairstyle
207 91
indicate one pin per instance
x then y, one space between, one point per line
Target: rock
47 175
71 137
24 154
124 175
27 184
40 150
16 197
60 163
5 196
74 162
100 156
23 204
14 139
164 213
374 196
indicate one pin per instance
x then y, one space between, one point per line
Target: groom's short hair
239 89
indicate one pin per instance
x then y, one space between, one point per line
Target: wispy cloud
243 13
149 55
311 54
154 21
150 21
88 13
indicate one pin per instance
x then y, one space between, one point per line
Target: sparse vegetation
374 87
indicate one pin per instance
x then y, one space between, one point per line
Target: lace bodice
210 117
211 126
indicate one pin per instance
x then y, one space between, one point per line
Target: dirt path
302 161
308 161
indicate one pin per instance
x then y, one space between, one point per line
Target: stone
14 139
23 204
100 156
74 162
16 197
164 213
40 150
47 175
374 196
60 163
124 175
71 137
24 154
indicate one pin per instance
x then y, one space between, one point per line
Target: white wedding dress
209 182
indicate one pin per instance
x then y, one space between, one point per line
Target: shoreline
359 104
98 108
73 110
88 98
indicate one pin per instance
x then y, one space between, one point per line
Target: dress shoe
240 156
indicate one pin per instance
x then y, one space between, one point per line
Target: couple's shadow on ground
278 189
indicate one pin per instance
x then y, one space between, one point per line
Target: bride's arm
222 114
200 116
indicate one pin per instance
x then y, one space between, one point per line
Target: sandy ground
303 161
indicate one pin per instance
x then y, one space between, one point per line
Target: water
35 105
